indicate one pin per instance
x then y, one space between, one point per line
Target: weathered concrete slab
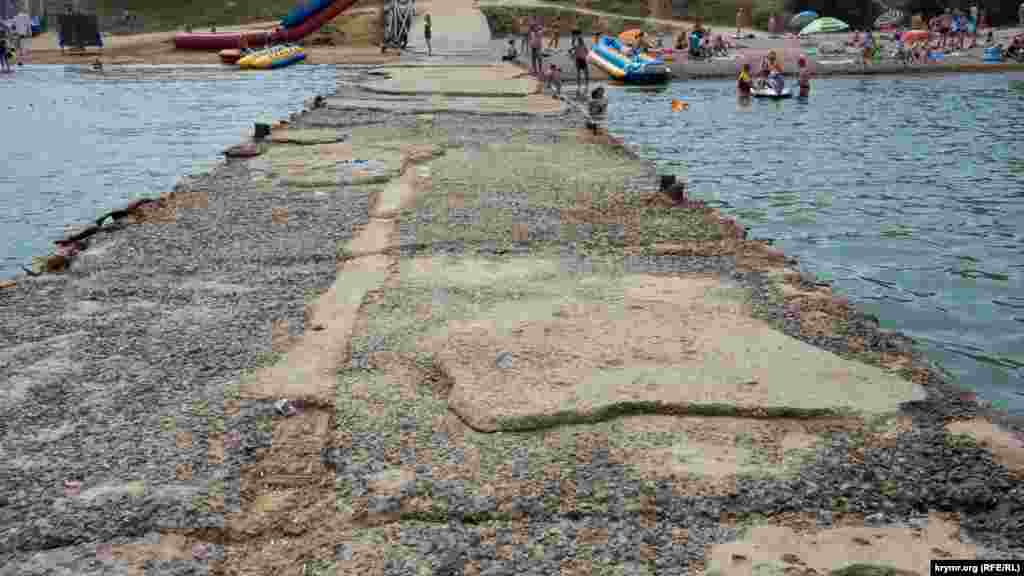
670 344
481 81
306 136
535 104
772 549
457 26
327 165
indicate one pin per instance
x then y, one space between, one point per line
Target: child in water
554 80
762 73
805 78
598 105
743 83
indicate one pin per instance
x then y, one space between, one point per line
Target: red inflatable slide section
258 38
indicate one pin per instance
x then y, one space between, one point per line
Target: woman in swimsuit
805 78
743 83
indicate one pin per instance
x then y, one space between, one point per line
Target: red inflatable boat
259 38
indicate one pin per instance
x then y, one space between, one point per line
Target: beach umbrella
802 19
824 25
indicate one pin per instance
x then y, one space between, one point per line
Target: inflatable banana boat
270 58
609 55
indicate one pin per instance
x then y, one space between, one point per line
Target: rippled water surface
907 193
76 144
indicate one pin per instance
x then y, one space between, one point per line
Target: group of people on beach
551 75
701 43
955 28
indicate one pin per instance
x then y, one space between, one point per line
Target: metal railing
398 15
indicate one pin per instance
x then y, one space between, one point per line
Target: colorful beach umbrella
825 25
802 19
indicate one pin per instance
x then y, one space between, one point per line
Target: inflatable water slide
303 20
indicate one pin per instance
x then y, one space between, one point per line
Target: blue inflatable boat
610 55
304 10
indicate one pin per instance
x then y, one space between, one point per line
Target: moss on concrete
585 185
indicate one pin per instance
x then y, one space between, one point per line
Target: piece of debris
247 150
285 407
791 559
318 327
72 488
7 284
503 360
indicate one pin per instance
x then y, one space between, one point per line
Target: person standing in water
805 78
5 66
427 33
744 83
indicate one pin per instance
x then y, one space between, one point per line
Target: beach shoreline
171 327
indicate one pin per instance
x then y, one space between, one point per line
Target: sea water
906 193
77 143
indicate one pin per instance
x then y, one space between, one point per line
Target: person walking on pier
536 45
579 50
525 25
427 33
556 33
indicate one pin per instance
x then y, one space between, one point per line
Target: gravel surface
105 364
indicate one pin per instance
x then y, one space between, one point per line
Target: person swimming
743 83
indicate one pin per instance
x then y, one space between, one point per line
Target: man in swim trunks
4 64
556 33
427 34
536 45
579 51
868 50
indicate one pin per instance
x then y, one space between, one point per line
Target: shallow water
907 193
77 144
